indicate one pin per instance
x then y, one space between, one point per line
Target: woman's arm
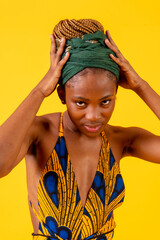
139 142
18 131
131 80
150 97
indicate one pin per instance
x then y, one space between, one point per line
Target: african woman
72 158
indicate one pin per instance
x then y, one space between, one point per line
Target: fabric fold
88 51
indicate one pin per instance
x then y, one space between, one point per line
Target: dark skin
90 103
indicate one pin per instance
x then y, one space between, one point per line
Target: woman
73 158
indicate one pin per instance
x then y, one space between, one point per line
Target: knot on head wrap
88 51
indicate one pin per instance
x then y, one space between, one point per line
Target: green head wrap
88 51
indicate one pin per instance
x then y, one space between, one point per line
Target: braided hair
76 28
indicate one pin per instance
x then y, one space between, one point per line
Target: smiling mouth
92 128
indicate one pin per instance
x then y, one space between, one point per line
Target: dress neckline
61 134
102 167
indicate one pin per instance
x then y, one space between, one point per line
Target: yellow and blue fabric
61 213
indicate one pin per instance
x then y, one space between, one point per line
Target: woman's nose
93 114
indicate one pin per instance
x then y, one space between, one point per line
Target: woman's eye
80 104
105 102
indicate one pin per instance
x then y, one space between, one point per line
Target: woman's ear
61 93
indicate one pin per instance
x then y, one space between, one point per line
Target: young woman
72 159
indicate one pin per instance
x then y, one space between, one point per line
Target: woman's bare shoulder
45 124
123 135
119 139
116 131
51 118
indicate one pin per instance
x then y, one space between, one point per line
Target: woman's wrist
37 92
149 96
140 86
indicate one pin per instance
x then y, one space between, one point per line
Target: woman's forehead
90 74
91 81
92 86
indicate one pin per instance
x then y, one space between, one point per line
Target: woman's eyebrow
86 99
107 96
82 98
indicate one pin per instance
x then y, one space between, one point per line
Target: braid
76 28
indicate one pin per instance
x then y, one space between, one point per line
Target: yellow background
25 28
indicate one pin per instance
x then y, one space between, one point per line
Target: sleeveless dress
61 213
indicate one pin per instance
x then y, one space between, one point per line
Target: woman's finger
60 50
109 37
108 43
116 60
64 60
123 63
60 65
53 48
112 44
113 48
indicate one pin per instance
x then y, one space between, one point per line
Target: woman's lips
92 128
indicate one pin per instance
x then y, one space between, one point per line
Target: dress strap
103 134
61 125
34 210
105 143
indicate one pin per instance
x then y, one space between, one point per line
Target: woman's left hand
128 77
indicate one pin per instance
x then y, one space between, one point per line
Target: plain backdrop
25 28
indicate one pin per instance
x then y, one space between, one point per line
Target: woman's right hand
19 131
48 84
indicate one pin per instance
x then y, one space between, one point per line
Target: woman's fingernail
62 40
106 41
51 36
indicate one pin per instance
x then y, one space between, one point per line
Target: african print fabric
61 213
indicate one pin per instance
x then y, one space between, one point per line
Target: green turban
88 51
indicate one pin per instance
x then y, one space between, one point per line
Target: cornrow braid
76 28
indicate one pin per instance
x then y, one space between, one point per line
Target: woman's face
90 101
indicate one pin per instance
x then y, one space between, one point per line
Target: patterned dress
61 213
